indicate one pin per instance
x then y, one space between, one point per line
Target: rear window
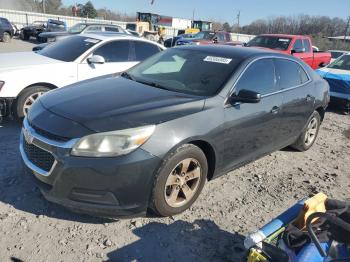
272 42
144 50
342 63
69 49
335 54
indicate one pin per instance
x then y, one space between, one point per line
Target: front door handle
308 98
275 110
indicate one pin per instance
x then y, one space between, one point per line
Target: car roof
102 24
283 35
234 51
115 36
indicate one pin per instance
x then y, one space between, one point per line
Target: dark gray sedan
148 140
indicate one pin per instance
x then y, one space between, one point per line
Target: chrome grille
40 158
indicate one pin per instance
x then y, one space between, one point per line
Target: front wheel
179 181
6 38
309 134
27 98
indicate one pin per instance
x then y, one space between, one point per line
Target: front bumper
108 187
341 100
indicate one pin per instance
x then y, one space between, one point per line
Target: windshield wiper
156 85
127 75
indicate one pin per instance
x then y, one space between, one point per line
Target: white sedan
24 76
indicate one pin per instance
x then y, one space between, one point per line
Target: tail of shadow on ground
182 241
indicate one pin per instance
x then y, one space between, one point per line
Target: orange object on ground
312 205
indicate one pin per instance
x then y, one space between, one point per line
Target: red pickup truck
296 45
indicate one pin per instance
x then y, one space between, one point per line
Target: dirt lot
32 229
16 45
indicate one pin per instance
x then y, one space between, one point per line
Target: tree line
299 25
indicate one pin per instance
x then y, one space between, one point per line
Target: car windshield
204 35
336 54
76 29
342 63
69 49
186 71
272 42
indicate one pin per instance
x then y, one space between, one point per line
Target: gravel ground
17 45
229 207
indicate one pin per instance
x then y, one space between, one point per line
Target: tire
171 180
6 38
309 135
26 37
24 102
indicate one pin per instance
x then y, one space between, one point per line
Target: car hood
116 103
19 60
338 79
54 34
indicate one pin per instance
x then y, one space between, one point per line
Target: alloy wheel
183 183
30 101
311 131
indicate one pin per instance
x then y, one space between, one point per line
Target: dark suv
6 30
150 138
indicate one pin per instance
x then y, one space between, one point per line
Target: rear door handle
275 110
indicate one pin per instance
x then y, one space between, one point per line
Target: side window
116 51
298 45
144 50
290 73
94 29
111 29
307 45
221 37
259 77
228 37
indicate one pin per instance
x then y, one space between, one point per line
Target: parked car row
72 59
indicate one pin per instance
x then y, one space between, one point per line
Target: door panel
297 100
252 130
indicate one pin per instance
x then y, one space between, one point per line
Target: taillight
1 84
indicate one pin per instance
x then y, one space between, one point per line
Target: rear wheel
27 98
6 38
179 181
309 135
26 36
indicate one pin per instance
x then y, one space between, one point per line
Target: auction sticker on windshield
220 60
284 40
92 40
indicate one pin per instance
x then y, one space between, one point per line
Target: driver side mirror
245 96
96 59
215 40
297 50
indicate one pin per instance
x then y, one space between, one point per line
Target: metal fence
22 18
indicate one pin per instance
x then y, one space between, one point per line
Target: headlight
113 143
51 39
1 84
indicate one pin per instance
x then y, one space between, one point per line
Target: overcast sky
226 10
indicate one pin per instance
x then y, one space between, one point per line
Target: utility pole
194 11
44 9
347 29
